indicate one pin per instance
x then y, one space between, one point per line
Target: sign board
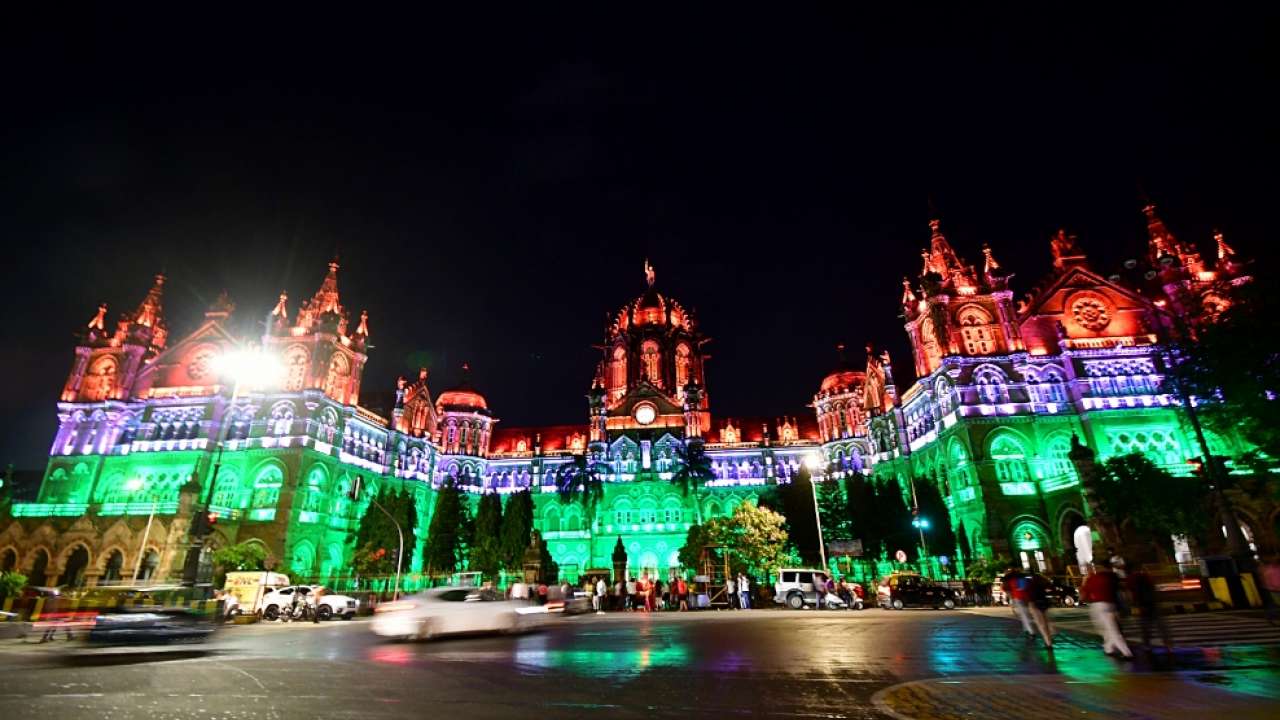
845 547
901 555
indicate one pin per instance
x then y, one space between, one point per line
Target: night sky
493 184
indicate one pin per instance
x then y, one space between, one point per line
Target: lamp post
917 522
814 463
134 485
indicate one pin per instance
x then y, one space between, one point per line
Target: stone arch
269 476
112 569
991 383
302 560
37 564
150 563
8 559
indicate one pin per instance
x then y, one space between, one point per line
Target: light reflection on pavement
773 663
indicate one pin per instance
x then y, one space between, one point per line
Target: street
918 664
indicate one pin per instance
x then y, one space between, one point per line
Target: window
1010 460
618 373
295 362
266 491
652 360
682 367
100 382
338 379
990 383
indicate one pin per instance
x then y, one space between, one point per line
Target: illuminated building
1002 389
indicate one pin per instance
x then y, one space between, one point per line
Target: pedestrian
1118 567
744 592
631 595
820 587
1100 590
682 592
602 595
1269 574
1013 583
1142 590
730 591
620 595
1038 606
314 600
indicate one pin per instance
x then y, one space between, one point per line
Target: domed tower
464 421
839 402
651 372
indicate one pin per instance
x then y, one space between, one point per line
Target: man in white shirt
602 592
744 592
730 592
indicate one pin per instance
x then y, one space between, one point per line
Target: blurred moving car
150 626
330 604
1060 593
454 611
901 590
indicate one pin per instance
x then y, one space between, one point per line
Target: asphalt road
919 664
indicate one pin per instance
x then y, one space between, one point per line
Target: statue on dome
648 272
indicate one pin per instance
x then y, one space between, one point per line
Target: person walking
1013 583
1038 607
744 592
1142 590
1100 590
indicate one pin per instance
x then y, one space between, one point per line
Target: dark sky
494 183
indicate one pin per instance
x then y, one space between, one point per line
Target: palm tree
582 480
693 468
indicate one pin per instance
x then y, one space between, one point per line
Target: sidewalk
1051 697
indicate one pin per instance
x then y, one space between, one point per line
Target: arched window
8 560
282 418
1058 464
991 387
339 378
313 500
622 512
618 372
945 397
652 359
266 490
295 363
683 362
115 564
551 520
226 493
1010 459
929 344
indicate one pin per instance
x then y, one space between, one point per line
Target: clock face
645 414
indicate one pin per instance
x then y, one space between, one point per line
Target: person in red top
682 591
1015 591
1100 590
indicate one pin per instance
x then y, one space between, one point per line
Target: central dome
462 396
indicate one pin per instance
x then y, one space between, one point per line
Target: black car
901 590
150 626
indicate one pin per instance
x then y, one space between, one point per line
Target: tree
693 470
898 534
517 524
243 556
448 533
486 550
11 583
940 537
756 536
863 514
1233 360
833 508
1154 502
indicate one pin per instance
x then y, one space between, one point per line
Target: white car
276 602
795 588
454 611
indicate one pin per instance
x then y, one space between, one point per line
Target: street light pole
817 518
395 593
136 484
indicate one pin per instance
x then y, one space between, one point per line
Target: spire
942 260
325 303
1226 255
908 296
151 313
326 298
648 272
1163 244
363 328
99 320
281 310
989 262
